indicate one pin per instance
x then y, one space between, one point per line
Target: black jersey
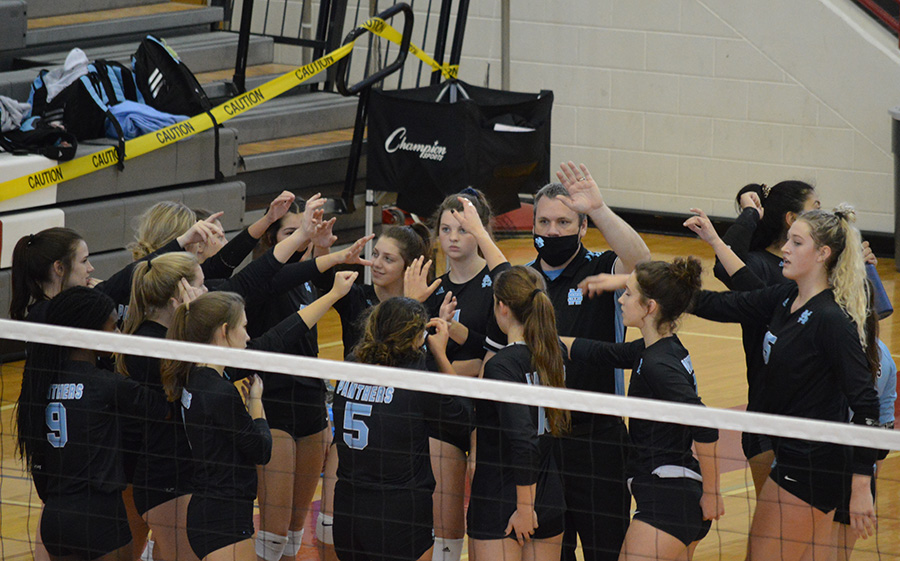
661 371
226 443
814 362
597 318
474 309
164 454
81 451
514 445
381 433
767 270
352 309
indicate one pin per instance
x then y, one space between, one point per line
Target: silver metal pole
504 44
370 227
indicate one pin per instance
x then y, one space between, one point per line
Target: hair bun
845 211
688 270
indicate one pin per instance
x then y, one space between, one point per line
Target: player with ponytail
517 506
677 494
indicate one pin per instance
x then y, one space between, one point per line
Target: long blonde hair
846 268
153 284
158 225
523 290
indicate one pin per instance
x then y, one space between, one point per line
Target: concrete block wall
679 103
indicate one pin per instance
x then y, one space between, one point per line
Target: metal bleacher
299 141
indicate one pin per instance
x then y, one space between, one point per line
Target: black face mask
558 250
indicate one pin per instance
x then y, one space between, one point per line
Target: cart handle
341 69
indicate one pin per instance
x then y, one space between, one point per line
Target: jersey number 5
353 423
55 416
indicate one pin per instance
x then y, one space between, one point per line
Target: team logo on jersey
439 291
576 297
804 317
539 241
768 342
456 315
486 281
640 363
784 304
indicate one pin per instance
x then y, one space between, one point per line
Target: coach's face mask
555 251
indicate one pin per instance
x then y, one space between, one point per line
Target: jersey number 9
56 421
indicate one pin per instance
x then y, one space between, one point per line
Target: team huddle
188 448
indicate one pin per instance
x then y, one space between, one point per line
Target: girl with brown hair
517 505
677 495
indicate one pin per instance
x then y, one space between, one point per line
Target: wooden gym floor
717 357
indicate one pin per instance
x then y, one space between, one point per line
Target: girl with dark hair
398 269
383 495
815 364
462 225
228 440
68 420
756 237
46 263
295 405
517 506
677 494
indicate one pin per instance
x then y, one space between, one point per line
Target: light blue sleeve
886 386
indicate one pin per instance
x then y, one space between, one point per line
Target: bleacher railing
879 11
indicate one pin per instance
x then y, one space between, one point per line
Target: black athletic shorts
86 526
384 525
842 514
488 516
455 430
817 480
755 444
303 415
216 523
672 505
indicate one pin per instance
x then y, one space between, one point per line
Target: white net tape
590 402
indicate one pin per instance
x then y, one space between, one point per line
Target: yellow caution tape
141 145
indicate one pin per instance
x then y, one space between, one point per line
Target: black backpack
36 137
166 83
83 107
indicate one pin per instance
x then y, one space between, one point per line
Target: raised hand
604 282
280 206
324 236
187 293
437 342
415 280
312 215
468 219
448 308
343 281
202 231
702 226
584 193
751 200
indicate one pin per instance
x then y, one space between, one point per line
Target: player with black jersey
398 255
462 225
69 415
593 453
756 238
295 405
677 496
227 442
382 503
815 365
517 505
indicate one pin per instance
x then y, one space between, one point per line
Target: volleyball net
362 385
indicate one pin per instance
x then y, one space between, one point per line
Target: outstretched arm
471 223
702 226
585 198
